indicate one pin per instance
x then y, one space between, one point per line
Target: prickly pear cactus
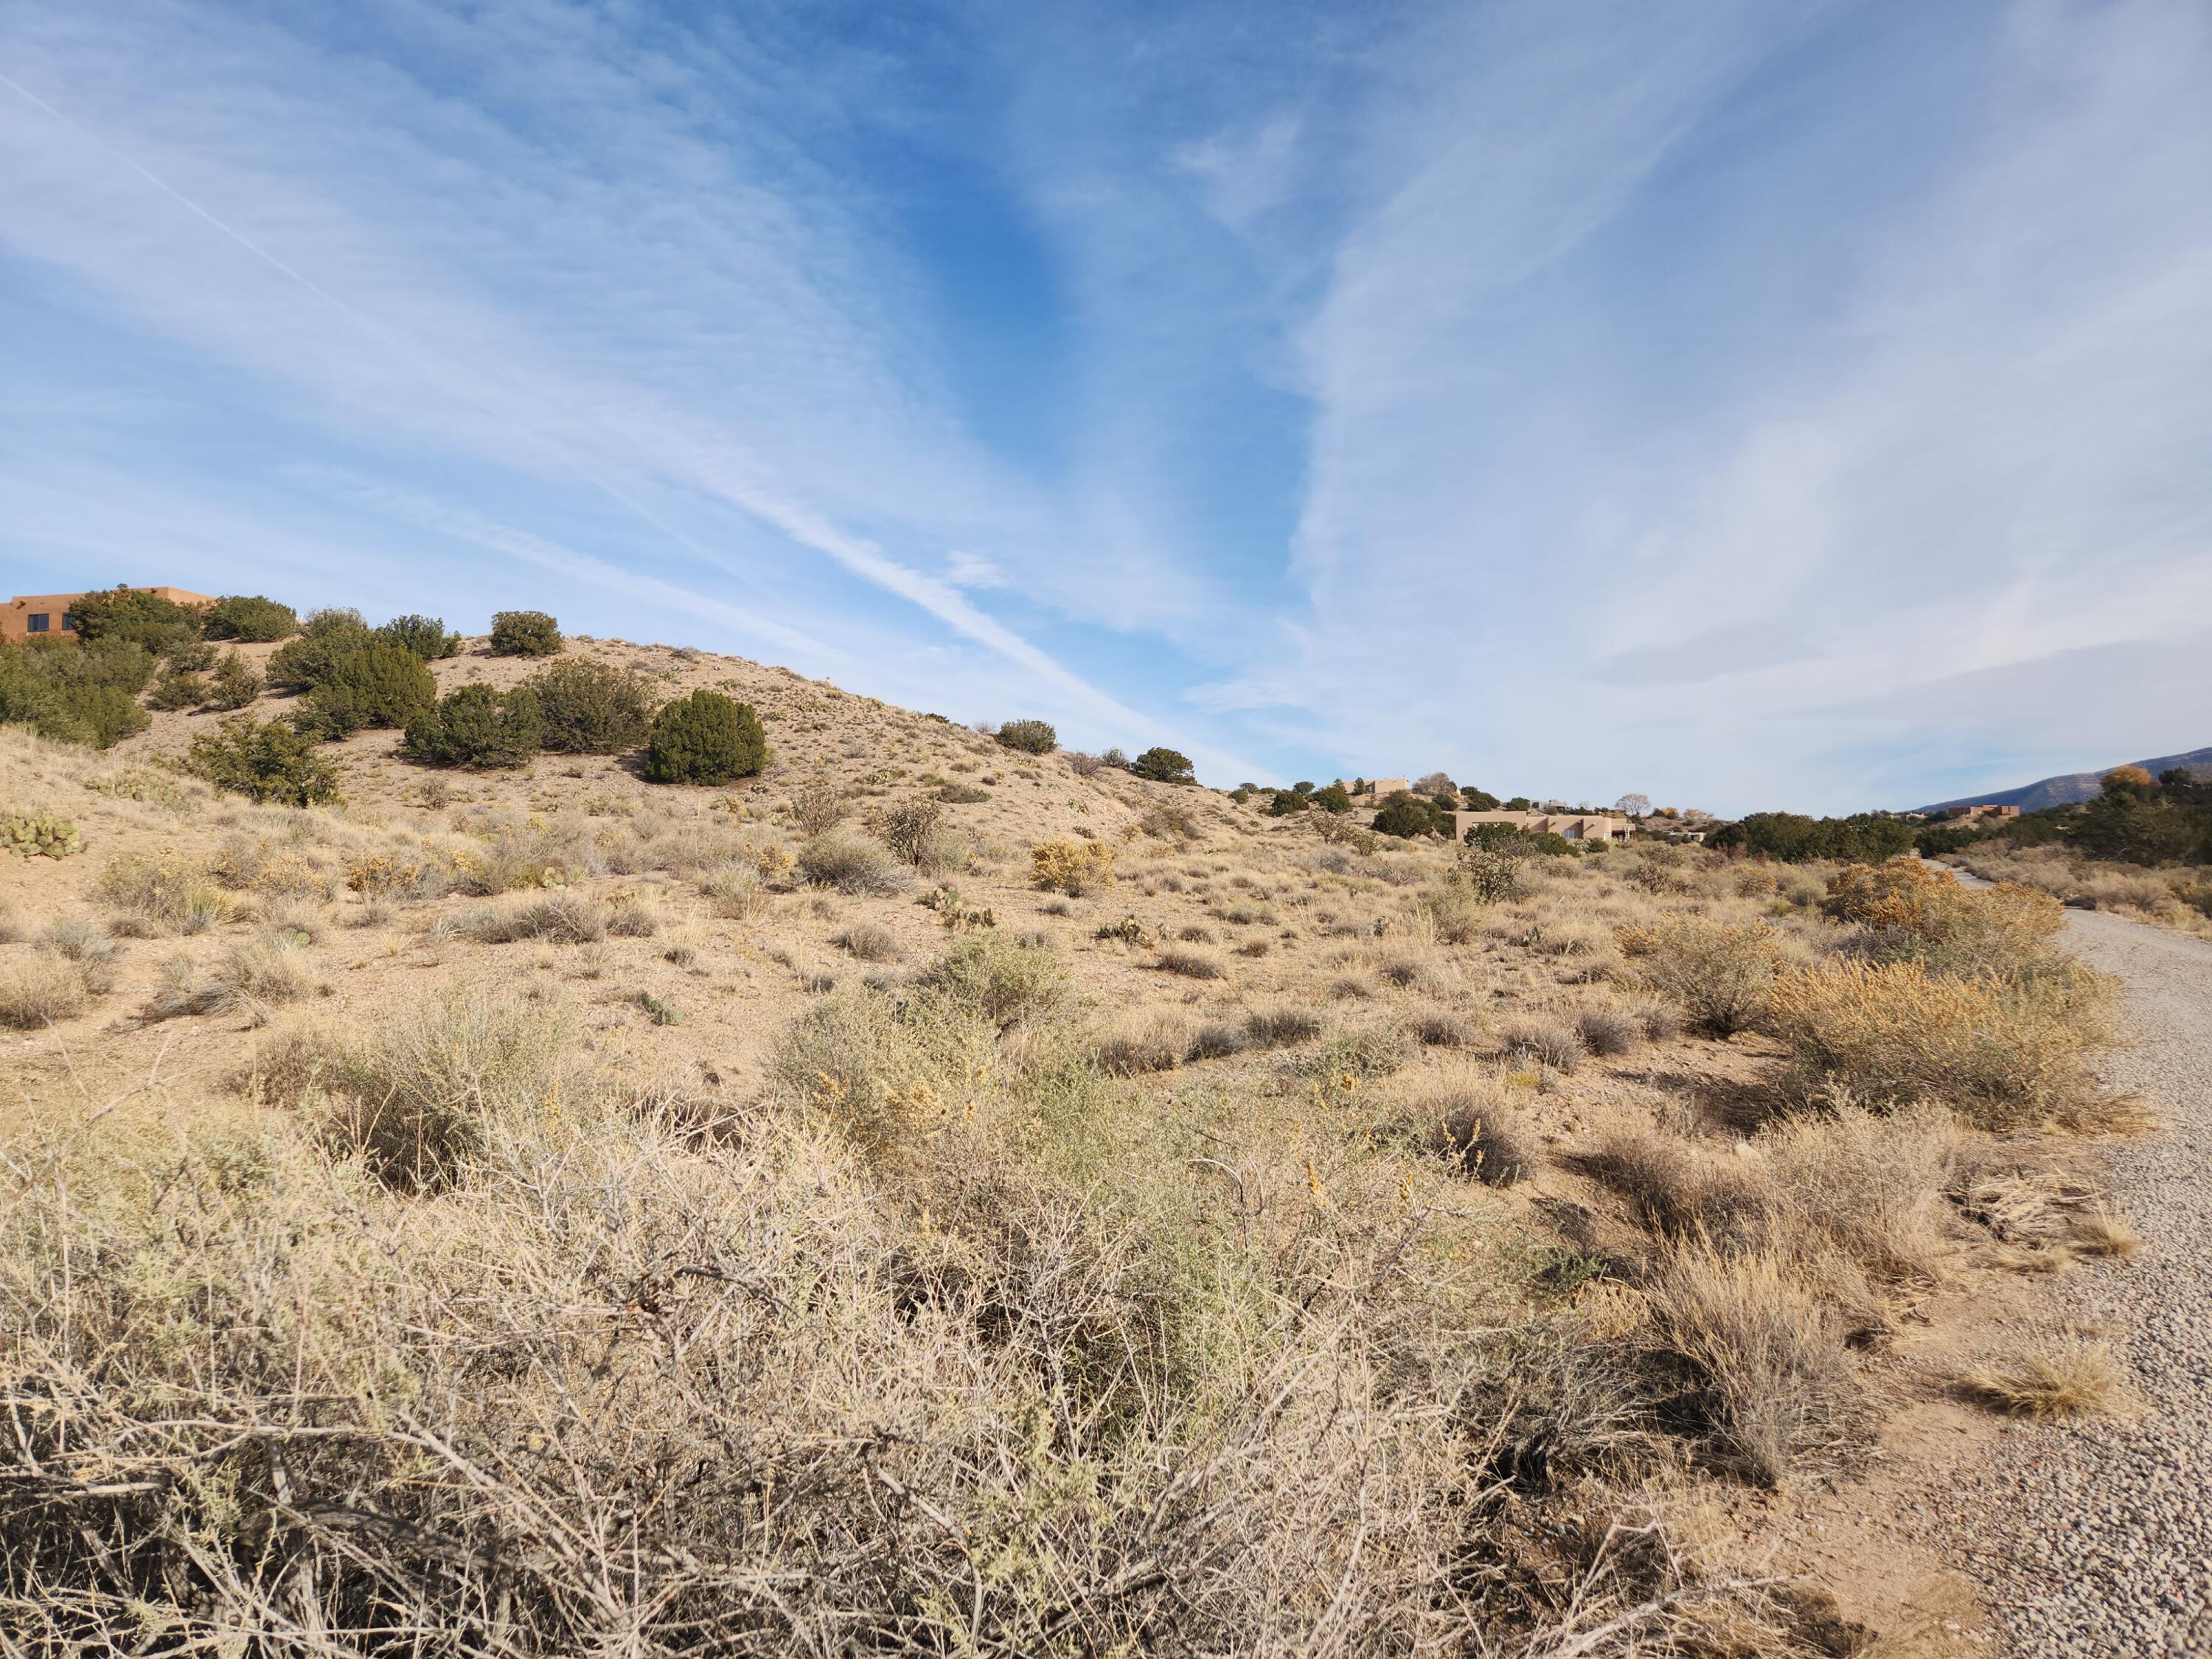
39 836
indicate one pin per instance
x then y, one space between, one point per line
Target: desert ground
542 1211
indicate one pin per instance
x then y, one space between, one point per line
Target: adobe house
1573 826
1374 791
1973 815
48 615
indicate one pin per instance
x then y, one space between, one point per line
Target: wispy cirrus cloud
1742 403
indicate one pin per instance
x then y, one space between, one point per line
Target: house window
68 621
37 624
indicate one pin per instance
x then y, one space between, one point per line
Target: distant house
1972 814
48 615
1605 827
1373 792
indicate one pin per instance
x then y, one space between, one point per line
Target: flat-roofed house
1373 792
1573 826
48 615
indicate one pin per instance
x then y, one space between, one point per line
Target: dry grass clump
418 1100
251 978
1005 982
2060 1375
1191 964
1281 1026
1439 1028
1479 1135
1348 1058
1871 1188
501 854
1719 973
1762 1357
869 942
1455 909
1158 1044
1846 1196
1218 1039
2098 1231
1407 972
161 894
557 919
734 891
36 994
1556 1043
80 939
1606 1029
851 863
1678 1191
2002 1053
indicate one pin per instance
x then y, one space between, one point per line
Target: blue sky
1745 404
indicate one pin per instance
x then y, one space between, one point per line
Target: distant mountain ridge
2071 787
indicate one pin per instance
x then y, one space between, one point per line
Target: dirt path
2099 1535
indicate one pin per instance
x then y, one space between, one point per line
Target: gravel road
2096 1538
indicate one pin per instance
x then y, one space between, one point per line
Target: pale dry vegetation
929 1199
2179 897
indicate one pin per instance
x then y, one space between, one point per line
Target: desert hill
548 1203
2069 787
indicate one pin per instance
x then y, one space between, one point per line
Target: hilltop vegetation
910 1190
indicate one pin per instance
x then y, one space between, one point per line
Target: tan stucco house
48 615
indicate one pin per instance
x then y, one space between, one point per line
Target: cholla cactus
39 835
1064 866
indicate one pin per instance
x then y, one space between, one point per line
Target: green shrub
705 737
1406 815
374 684
75 693
39 836
478 727
1863 838
177 688
1164 766
1335 799
249 619
592 707
236 684
1286 802
305 662
145 619
271 762
426 637
192 656
524 634
1511 840
1030 736
100 716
